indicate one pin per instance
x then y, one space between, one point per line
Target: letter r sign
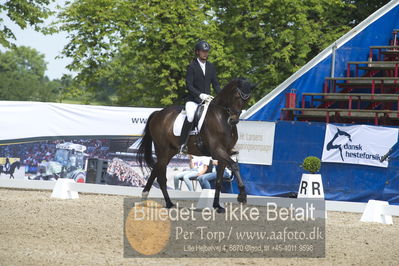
311 186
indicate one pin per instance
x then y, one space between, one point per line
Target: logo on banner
358 144
332 146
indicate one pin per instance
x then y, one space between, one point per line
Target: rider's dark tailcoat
198 83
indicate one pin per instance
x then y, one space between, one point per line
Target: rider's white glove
206 97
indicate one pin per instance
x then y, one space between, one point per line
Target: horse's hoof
220 210
170 205
242 198
144 195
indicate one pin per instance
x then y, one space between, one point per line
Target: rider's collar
200 62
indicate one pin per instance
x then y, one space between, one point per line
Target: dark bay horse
218 135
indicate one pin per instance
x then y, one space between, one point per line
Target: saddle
199 117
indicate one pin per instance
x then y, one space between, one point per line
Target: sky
49 45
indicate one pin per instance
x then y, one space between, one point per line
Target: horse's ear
246 86
239 82
251 86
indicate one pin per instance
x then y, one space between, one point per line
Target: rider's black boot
185 133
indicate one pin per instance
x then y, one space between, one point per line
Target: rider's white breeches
191 107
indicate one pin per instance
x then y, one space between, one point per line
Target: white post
62 189
374 212
311 187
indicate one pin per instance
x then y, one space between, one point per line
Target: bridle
243 96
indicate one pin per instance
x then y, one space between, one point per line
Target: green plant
311 164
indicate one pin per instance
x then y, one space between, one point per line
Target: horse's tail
144 153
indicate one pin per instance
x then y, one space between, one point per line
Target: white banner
255 142
26 120
360 144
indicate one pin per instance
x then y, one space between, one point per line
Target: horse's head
233 97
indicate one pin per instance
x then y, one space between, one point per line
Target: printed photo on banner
360 144
48 141
110 161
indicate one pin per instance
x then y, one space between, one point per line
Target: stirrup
183 149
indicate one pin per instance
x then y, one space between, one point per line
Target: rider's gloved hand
206 97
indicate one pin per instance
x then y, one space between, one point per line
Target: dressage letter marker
311 186
62 190
374 212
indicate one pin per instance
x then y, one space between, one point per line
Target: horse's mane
241 83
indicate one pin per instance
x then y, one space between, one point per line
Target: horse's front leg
224 157
219 179
242 195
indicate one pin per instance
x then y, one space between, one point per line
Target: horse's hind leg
164 157
163 160
159 172
162 183
148 185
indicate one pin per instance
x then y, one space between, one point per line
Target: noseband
244 96
231 113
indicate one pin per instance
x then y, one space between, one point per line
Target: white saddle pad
178 124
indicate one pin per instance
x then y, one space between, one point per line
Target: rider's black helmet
202 45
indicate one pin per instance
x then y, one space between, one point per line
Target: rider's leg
185 134
187 126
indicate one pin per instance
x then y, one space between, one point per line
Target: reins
243 96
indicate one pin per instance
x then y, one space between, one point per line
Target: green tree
361 9
67 88
22 76
269 40
24 13
140 49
